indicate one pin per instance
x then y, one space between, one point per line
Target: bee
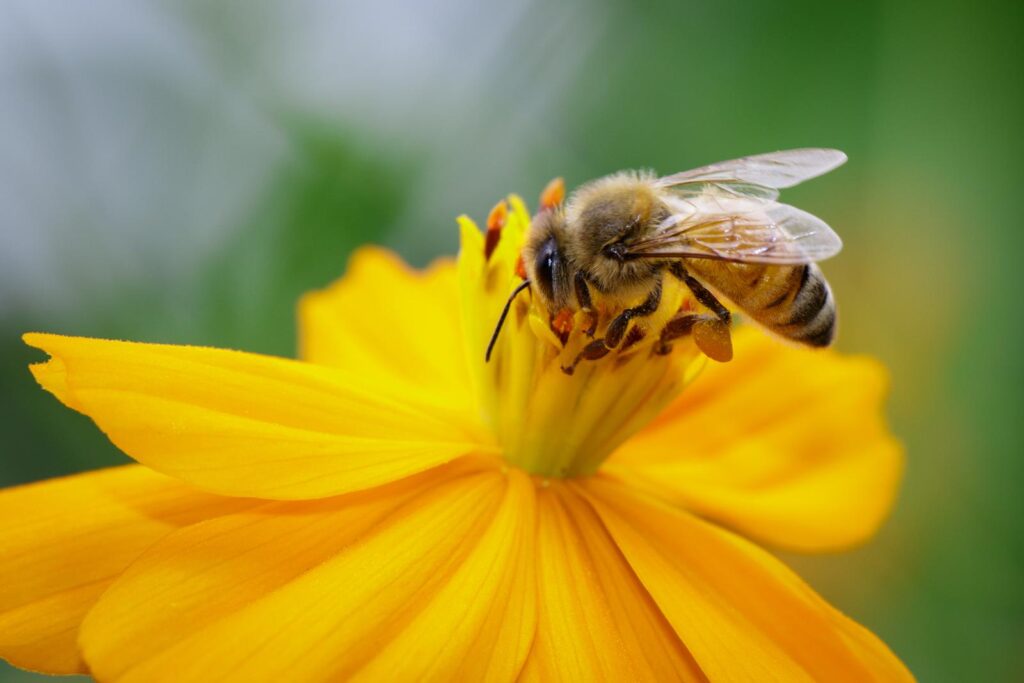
719 229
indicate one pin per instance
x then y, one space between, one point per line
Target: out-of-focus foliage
182 172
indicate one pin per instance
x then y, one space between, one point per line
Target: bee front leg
599 348
585 302
617 327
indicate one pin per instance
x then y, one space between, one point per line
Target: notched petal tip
42 341
51 374
243 424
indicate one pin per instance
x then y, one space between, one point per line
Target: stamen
521 267
562 324
557 398
552 195
495 222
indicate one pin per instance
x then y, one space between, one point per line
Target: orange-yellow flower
393 508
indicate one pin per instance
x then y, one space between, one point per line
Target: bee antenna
501 320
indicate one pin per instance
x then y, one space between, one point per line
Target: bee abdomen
794 302
811 314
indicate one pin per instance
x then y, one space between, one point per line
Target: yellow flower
394 508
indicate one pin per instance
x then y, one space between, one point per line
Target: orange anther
521 267
495 222
496 218
553 194
563 323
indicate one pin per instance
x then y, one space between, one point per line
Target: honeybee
719 229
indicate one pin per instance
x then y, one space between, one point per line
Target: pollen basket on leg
556 400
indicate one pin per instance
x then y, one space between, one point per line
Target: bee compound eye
546 267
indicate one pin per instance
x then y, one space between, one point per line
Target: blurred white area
476 84
134 135
123 156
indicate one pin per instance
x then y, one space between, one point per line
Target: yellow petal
249 425
425 579
63 542
596 623
743 615
479 626
385 320
786 445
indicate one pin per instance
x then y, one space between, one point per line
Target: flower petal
596 620
387 320
423 579
786 445
740 611
65 540
249 425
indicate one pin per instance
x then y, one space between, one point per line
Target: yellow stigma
549 422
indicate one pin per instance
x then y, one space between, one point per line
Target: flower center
550 421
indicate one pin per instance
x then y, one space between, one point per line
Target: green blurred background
182 171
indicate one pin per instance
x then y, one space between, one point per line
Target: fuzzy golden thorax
606 214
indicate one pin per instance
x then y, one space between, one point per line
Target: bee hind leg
706 298
710 333
676 328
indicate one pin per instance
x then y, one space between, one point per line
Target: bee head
546 267
545 259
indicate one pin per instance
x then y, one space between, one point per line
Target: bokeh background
182 171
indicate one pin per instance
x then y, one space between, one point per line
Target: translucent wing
745 229
761 175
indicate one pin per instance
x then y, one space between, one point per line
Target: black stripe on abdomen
811 295
813 318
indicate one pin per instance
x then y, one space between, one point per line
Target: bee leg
585 302
617 327
679 326
595 350
710 333
599 348
706 298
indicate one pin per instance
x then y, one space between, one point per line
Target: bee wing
759 176
743 229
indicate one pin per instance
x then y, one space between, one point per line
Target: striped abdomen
792 301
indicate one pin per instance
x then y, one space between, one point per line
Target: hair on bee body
719 229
